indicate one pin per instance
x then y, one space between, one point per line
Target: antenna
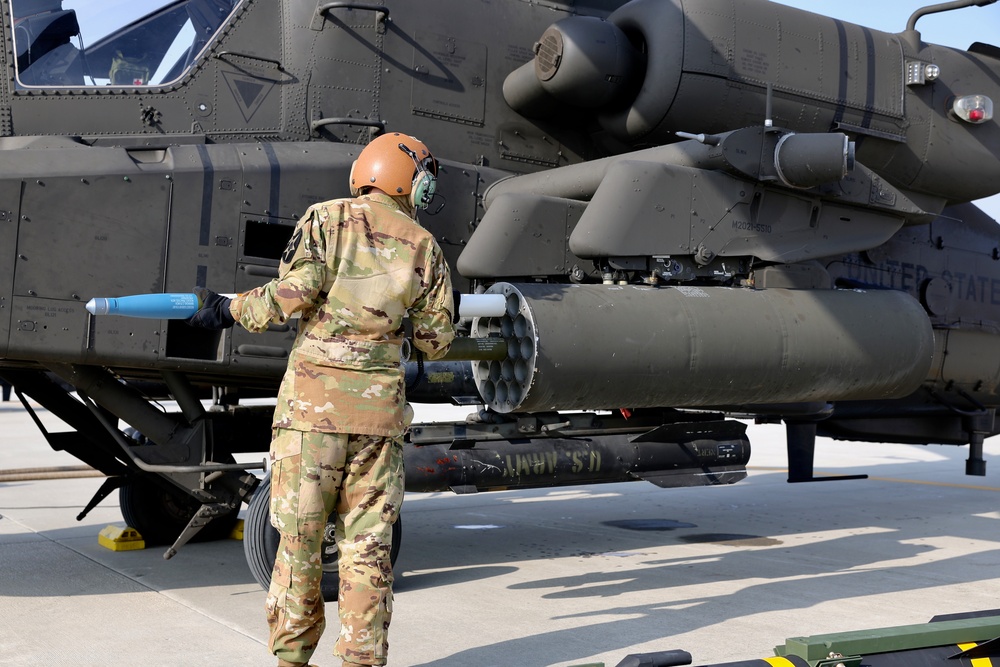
943 7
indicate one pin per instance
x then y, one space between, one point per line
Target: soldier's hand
455 317
213 312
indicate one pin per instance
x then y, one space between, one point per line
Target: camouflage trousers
361 478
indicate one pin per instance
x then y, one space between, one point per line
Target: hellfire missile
568 449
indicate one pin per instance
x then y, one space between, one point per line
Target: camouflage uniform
354 269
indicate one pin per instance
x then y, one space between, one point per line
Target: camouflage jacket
354 269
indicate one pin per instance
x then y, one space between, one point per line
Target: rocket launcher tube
182 305
695 347
482 305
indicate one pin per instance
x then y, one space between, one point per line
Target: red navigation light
973 109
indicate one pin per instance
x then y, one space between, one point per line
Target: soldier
354 269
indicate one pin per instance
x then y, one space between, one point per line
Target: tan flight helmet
399 165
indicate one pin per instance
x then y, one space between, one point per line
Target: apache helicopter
695 211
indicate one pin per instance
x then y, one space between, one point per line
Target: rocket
169 306
182 305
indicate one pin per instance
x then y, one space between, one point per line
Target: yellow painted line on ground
953 485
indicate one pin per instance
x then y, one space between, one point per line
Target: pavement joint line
29 529
165 593
44 507
213 617
38 536
66 546
900 480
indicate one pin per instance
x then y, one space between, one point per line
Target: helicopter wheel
260 543
161 515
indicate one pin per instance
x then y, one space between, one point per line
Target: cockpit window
112 42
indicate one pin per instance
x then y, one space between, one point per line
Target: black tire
260 543
161 515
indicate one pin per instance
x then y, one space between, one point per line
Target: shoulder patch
293 245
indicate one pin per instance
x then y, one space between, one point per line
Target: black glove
214 311
455 317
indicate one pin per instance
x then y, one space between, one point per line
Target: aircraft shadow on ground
765 539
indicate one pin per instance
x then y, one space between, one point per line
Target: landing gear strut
160 515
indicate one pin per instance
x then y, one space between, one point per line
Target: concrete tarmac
569 576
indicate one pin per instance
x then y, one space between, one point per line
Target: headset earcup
354 189
422 189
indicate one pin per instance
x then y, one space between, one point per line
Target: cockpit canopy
129 43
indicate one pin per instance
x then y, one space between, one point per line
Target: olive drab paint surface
694 211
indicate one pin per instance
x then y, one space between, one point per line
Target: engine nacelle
658 67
